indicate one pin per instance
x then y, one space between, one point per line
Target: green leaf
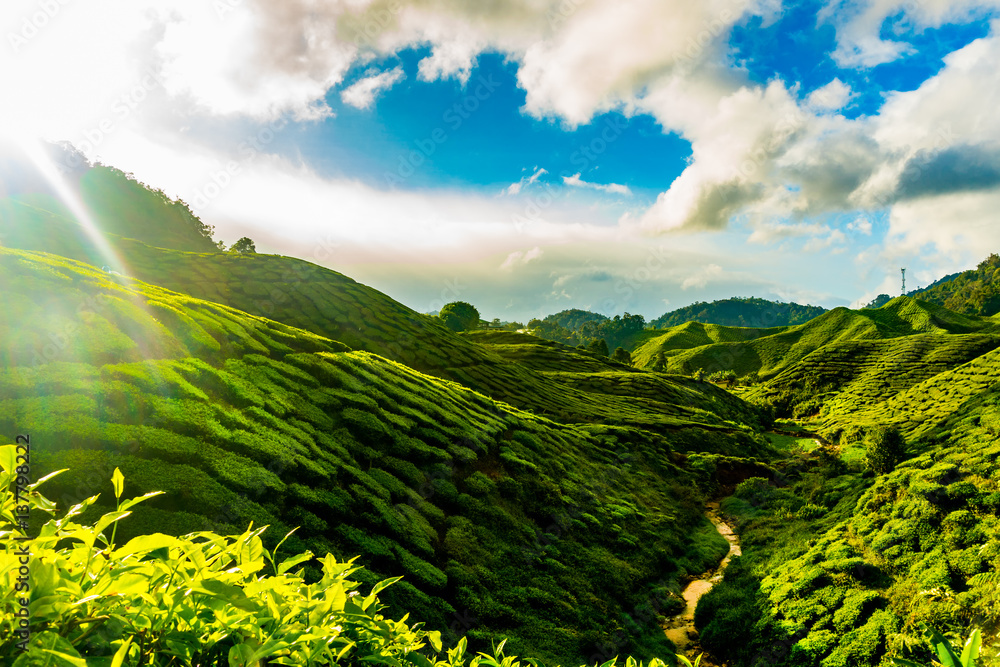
971 651
293 561
382 585
39 482
118 481
435 640
49 649
268 649
945 653
240 656
131 502
107 520
8 458
145 543
122 652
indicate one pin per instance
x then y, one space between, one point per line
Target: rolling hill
769 352
740 312
525 491
973 292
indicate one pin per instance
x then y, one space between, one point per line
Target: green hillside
523 488
770 352
538 530
740 312
842 566
118 204
974 292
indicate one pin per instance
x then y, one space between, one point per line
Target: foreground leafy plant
948 655
199 600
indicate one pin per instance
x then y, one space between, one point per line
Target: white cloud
363 92
515 188
831 97
702 277
861 225
449 59
833 238
611 188
521 258
156 69
861 23
603 52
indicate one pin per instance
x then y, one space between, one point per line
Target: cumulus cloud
759 153
450 59
861 225
611 188
833 238
363 92
520 258
831 97
860 25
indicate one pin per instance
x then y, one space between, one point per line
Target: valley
526 490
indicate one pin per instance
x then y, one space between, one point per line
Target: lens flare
45 165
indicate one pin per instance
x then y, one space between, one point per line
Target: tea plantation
569 536
524 490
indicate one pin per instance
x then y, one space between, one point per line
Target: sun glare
50 171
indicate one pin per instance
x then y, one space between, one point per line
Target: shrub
852 434
884 448
459 316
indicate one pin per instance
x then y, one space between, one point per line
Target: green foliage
974 292
884 449
459 316
740 312
948 655
622 356
598 346
243 246
540 524
195 599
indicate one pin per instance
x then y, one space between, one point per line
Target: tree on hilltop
459 316
245 246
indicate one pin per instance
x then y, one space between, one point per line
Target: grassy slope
847 581
623 393
502 522
743 350
841 565
693 335
307 296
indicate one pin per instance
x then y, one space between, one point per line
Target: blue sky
530 157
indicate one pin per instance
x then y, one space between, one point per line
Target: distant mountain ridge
740 312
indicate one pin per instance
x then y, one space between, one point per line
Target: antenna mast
903 271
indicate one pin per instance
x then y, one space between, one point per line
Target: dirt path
680 629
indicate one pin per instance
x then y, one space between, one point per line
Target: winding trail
680 629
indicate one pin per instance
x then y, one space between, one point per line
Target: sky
529 156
